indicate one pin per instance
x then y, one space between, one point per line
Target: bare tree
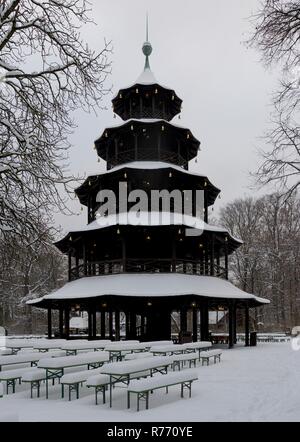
268 263
277 36
46 72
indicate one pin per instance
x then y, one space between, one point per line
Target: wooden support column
204 324
135 147
67 322
212 255
94 322
61 323
195 324
247 326
183 320
84 259
103 328
127 325
90 325
226 258
231 308
111 334
117 325
69 264
49 323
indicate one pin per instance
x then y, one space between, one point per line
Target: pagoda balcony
118 266
131 155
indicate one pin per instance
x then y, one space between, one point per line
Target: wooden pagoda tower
147 271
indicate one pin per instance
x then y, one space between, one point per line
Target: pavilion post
67 322
94 324
90 319
195 324
226 258
111 325
69 264
247 326
212 256
117 325
204 324
183 320
231 324
49 323
103 328
61 323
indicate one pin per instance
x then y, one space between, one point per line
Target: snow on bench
142 387
73 380
92 359
200 346
180 360
55 367
142 355
74 347
34 378
26 358
6 352
117 349
101 381
11 377
168 349
150 344
124 371
206 355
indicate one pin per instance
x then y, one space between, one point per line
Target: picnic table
26 358
165 350
55 368
117 349
72 348
17 345
197 346
124 371
45 346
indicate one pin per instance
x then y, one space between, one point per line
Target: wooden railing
112 267
147 155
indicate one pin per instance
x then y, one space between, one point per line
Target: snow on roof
150 285
147 77
149 165
144 121
153 219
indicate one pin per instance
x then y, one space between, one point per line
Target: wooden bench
34 378
100 383
142 388
74 380
207 355
11 377
180 360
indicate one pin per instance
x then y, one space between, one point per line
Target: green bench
142 388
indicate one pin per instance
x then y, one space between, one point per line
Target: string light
136 91
120 95
170 175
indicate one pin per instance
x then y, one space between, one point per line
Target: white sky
198 50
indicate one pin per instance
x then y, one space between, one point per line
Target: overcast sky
199 50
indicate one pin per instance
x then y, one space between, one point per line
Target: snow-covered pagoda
147 270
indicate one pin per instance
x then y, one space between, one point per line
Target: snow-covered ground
250 384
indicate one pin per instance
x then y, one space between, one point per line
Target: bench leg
128 399
181 390
77 391
138 402
62 391
96 396
38 389
167 390
147 400
103 393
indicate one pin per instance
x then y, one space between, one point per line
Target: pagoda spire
147 47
